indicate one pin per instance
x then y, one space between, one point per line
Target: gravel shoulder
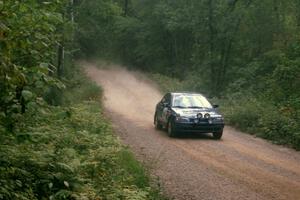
239 166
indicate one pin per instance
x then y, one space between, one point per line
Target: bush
263 118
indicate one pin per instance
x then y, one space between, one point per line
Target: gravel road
239 166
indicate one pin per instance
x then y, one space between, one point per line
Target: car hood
192 112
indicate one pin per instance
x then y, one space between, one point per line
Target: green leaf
44 65
2 114
27 95
19 183
66 184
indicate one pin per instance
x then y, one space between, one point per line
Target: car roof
185 93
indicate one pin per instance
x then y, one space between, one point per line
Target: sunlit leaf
66 184
27 95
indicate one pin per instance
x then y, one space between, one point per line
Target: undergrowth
264 119
70 152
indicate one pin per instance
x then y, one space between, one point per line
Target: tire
170 129
218 135
157 125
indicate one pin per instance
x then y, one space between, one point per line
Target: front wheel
171 129
157 125
218 135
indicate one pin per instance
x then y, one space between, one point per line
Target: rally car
179 112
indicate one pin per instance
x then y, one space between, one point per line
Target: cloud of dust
130 94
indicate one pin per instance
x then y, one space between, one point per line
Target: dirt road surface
239 166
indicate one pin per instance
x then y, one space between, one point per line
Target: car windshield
190 101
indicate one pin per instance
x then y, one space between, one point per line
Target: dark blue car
188 112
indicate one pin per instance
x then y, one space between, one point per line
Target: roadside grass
251 114
134 168
70 152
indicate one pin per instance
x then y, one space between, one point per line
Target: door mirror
215 106
165 104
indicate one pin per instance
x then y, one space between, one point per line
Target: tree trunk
211 47
60 60
126 7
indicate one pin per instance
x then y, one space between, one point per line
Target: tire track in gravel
239 166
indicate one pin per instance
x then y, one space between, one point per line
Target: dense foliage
246 53
69 152
29 36
55 142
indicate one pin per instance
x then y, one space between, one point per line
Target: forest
243 55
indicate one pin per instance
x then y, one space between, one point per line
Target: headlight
199 115
206 116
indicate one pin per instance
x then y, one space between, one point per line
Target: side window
168 99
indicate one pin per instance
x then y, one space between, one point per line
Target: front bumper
200 127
